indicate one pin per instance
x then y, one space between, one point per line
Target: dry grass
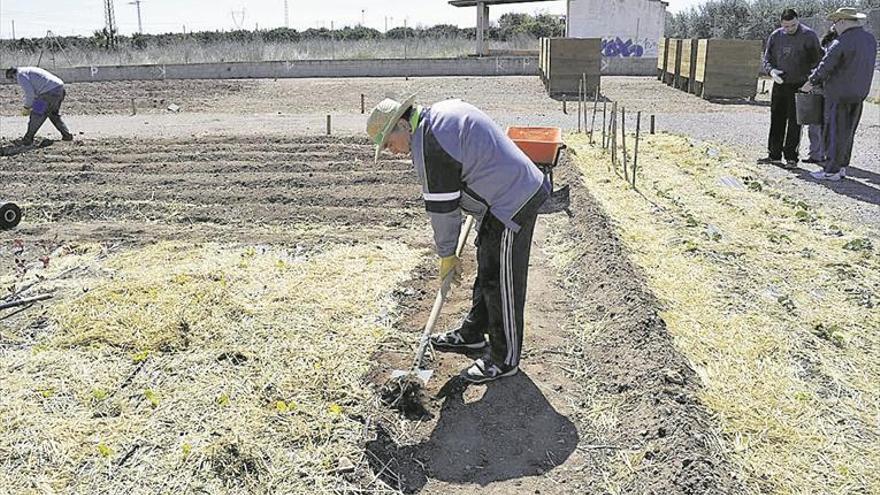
774 304
197 369
258 51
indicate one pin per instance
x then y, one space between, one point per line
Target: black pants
785 133
499 294
47 105
839 132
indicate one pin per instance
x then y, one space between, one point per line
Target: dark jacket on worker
466 162
847 69
794 54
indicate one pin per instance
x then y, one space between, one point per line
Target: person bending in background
817 146
792 51
845 73
43 95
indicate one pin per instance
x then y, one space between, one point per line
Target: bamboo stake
614 136
604 122
580 98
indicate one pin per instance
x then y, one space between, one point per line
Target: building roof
473 3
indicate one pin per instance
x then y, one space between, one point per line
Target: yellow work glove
450 264
25 111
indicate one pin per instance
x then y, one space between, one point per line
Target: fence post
652 124
623 142
328 126
604 122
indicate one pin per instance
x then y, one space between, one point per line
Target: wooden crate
727 68
673 64
687 65
662 57
565 60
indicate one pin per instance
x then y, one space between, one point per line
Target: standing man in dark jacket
465 162
43 95
792 51
845 72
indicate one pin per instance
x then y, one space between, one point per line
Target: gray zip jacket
35 81
466 162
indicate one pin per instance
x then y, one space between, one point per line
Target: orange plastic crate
540 144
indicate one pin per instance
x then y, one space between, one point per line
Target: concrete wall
476 67
494 66
628 28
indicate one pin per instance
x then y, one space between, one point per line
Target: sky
64 17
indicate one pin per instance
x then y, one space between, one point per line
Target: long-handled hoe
403 391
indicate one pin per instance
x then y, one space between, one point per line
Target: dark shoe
23 142
484 370
790 164
812 160
67 137
770 161
455 341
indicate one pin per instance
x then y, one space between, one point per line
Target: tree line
748 19
508 27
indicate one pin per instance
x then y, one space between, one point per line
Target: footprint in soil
511 432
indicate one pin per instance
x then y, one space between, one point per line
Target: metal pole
636 154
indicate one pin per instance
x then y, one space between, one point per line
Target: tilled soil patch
220 181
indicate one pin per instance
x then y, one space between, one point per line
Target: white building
628 28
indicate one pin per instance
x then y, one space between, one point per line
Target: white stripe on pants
508 295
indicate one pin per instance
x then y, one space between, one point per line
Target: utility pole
363 16
286 15
137 3
13 29
110 24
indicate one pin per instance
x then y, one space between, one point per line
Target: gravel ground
300 106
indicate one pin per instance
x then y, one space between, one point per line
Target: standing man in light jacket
465 162
792 51
845 73
43 95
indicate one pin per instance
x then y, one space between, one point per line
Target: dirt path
513 436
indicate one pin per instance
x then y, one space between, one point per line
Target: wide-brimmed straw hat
383 118
846 14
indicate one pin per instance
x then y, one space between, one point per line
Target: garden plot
772 301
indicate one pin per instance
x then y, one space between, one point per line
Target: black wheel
10 216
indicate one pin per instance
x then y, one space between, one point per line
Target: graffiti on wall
617 47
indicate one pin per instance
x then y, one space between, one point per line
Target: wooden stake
133 107
328 125
564 106
584 100
595 108
623 142
604 123
363 105
614 136
580 98
25 301
652 124
636 154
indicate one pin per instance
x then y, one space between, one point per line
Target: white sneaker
842 171
822 175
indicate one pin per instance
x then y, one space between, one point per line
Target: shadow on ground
511 432
16 149
854 189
